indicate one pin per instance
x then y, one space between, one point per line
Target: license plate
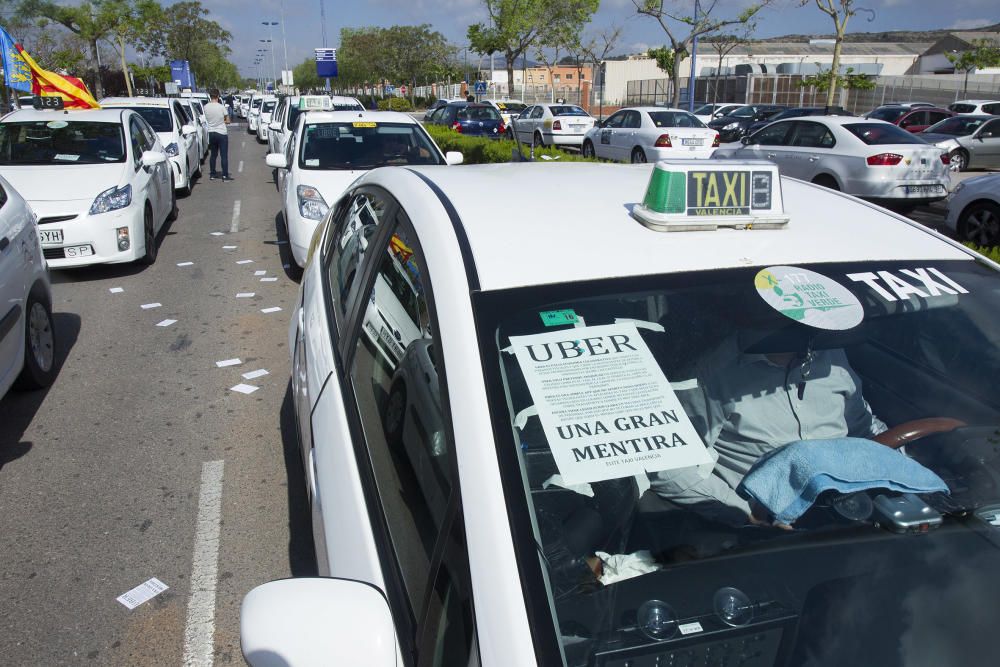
50 236
692 142
578 128
920 189
390 342
79 251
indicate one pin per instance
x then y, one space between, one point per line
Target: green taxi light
665 192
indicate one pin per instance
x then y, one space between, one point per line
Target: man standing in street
218 136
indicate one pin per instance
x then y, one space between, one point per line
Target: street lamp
270 24
267 41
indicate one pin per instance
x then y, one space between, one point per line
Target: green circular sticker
56 124
809 297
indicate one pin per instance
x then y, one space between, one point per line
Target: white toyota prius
98 180
330 149
695 414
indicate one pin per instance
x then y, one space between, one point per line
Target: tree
824 80
723 45
128 24
412 51
184 33
840 11
984 53
597 47
83 20
516 25
305 75
674 24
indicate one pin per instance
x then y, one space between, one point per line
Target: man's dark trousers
218 143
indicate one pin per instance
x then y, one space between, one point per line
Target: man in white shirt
218 136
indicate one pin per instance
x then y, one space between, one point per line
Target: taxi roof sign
315 103
688 195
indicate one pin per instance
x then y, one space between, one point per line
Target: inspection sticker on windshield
606 408
362 123
56 124
809 297
555 318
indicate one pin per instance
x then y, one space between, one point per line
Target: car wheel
537 140
39 344
827 182
588 149
959 160
173 202
638 155
980 224
150 236
395 412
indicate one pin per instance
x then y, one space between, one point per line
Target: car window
349 244
367 144
483 112
398 391
268 107
888 114
567 110
632 120
138 141
811 135
61 142
957 126
537 112
960 107
915 118
149 133
158 117
936 117
674 119
992 108
771 135
880 134
616 120
991 130
743 112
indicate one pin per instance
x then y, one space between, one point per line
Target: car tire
395 413
537 141
959 160
638 156
827 181
172 215
588 149
150 236
39 344
979 223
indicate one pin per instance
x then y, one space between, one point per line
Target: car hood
63 182
726 120
934 138
331 184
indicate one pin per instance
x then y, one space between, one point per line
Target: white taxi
98 180
553 125
27 333
264 121
330 149
664 427
648 134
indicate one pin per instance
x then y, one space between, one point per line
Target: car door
521 124
985 146
144 186
809 149
12 290
189 142
159 174
915 121
274 136
767 144
605 147
623 138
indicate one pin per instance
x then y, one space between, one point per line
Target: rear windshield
957 126
743 112
365 145
568 110
268 107
674 119
347 106
962 108
60 142
157 117
888 115
880 134
478 113
256 103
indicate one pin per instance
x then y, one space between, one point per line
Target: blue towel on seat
788 480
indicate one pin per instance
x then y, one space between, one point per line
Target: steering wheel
898 436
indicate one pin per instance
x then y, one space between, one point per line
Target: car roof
974 101
90 115
597 238
136 101
648 109
313 117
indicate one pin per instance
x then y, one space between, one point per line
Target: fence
785 89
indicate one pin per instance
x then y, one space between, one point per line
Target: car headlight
731 126
112 199
311 203
171 150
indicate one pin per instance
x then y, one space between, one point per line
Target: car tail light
945 158
556 125
715 142
503 128
456 126
663 141
885 160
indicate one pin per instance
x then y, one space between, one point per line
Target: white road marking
243 144
240 168
235 227
199 631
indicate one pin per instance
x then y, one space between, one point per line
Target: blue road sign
480 87
326 62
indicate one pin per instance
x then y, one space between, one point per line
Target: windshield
957 126
674 119
482 112
256 103
634 537
268 107
881 134
157 117
959 107
567 111
706 109
743 112
365 145
888 115
60 142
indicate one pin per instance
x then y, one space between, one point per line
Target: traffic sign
389 89
402 89
480 87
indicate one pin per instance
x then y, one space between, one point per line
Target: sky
302 25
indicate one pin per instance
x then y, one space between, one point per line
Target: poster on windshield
605 405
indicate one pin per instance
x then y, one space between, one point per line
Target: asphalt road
101 477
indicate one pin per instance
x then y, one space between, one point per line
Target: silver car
871 159
974 210
970 141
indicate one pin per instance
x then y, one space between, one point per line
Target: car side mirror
152 158
316 621
276 126
745 140
187 130
453 157
276 160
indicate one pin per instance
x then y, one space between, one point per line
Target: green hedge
394 104
480 150
989 252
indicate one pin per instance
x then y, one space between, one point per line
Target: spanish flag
45 83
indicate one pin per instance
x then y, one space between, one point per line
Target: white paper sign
166 323
269 280
272 309
115 290
216 233
252 375
142 593
260 273
185 263
245 261
244 388
244 295
228 362
147 306
605 405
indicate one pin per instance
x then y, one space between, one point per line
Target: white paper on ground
268 280
229 247
147 306
272 309
184 263
625 566
244 388
260 273
144 592
116 290
244 295
228 362
255 374
216 233
166 323
245 261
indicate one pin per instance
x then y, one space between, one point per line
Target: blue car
477 120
